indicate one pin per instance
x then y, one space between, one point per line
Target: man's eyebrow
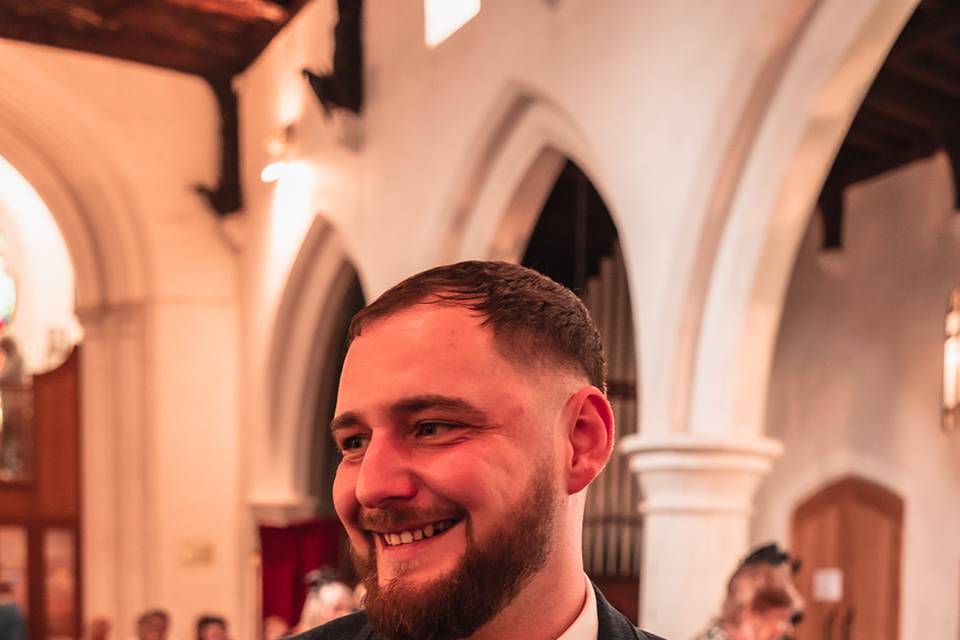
416 404
411 405
345 421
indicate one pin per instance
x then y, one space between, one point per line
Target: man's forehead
427 316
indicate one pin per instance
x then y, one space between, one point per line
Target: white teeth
406 537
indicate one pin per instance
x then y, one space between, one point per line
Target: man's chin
416 574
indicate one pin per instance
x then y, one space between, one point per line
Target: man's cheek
345 498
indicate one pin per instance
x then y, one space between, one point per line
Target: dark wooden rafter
342 87
951 144
227 196
213 39
911 111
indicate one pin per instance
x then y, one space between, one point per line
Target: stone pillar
116 515
697 503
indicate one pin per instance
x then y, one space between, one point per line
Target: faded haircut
533 318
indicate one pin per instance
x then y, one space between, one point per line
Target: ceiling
911 111
209 38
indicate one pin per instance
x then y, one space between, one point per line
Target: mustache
387 518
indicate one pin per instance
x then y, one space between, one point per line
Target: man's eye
430 429
352 444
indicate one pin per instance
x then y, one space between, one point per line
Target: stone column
116 513
697 503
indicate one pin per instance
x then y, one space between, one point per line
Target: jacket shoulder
613 625
351 627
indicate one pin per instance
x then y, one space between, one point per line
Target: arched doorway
848 538
322 294
575 242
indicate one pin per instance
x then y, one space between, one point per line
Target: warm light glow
35 254
295 203
442 18
951 365
273 171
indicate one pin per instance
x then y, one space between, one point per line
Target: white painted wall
856 379
650 120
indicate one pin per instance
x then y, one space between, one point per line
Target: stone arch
512 167
307 335
98 221
838 51
71 177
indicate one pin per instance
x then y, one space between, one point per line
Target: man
153 625
472 417
211 628
762 602
12 626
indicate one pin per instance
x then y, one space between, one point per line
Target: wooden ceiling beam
936 77
914 103
930 22
903 134
850 172
244 10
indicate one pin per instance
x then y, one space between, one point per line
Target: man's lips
399 535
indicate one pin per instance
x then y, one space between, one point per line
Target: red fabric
287 555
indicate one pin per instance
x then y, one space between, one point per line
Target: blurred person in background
211 628
98 629
12 626
275 628
326 600
153 625
762 603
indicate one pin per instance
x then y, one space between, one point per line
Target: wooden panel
55 492
855 526
816 541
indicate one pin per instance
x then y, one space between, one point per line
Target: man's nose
386 473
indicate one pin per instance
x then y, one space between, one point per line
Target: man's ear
590 437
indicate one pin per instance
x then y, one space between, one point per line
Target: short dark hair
206 620
533 318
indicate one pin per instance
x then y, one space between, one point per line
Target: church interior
757 200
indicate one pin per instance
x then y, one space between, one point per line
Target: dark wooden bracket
226 197
342 88
831 213
951 144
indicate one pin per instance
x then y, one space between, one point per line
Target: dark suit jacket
613 625
11 623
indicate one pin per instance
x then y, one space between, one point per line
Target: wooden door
40 515
848 537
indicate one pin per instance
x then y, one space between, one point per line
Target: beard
490 574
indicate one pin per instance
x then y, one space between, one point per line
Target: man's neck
546 607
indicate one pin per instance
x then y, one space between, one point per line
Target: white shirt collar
587 625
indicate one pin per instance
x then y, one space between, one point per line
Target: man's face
445 443
152 628
213 631
772 624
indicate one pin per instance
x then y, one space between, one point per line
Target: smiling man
471 418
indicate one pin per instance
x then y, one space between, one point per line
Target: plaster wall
855 387
650 118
